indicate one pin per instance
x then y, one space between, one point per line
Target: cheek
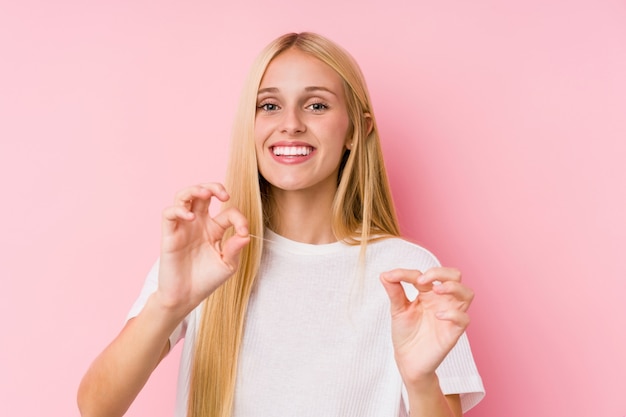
342 129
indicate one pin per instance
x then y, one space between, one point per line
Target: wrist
426 398
425 382
165 311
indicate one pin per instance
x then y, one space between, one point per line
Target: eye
318 107
268 107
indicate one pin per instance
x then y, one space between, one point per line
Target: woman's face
301 123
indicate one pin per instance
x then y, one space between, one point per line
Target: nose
292 123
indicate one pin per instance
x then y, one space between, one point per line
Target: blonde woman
299 298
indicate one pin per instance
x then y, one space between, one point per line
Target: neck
303 216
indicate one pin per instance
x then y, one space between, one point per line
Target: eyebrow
307 89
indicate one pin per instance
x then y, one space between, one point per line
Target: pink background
504 126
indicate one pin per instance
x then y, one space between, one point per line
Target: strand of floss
261 238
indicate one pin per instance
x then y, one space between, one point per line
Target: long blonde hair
362 209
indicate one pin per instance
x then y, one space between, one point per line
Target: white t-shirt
317 338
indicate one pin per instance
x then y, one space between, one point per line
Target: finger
231 217
457 317
231 249
197 197
213 188
172 215
410 276
186 195
455 289
395 291
202 198
440 274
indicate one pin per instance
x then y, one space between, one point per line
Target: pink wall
504 126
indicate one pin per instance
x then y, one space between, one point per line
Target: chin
287 186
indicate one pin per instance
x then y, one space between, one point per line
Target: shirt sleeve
149 287
457 373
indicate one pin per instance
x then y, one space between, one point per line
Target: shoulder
385 254
405 253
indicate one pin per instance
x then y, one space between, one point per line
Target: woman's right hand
194 260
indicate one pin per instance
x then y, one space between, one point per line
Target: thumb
395 291
232 248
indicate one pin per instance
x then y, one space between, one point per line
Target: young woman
299 298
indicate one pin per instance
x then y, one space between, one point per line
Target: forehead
296 68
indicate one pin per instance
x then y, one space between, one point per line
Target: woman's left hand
426 329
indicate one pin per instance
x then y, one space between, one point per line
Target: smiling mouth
292 150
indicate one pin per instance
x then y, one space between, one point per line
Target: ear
369 122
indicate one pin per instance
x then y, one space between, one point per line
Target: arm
194 262
424 331
122 369
428 400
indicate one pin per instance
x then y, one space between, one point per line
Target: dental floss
260 238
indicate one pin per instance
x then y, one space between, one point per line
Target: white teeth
291 150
